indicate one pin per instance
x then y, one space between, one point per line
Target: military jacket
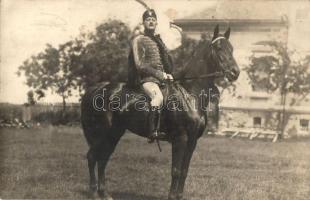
148 60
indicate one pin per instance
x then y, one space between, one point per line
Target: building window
302 14
257 122
304 124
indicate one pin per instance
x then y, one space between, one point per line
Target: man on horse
150 66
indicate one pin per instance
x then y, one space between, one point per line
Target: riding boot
154 125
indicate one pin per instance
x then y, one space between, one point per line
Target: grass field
50 162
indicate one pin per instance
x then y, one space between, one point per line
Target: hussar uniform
149 62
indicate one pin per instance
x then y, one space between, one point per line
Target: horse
109 109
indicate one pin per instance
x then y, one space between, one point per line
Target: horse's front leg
179 145
186 162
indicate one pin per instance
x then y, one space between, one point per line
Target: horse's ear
227 33
216 32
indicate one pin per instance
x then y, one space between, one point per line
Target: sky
28 25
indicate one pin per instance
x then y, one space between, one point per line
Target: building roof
237 24
240 15
233 9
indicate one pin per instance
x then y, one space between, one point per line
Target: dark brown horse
108 110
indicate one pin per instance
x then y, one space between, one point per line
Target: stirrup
156 136
151 138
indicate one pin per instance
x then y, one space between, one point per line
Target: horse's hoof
175 197
172 197
93 187
93 194
104 196
107 198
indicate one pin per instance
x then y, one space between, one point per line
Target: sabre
143 4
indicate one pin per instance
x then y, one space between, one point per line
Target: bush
8 112
58 117
47 114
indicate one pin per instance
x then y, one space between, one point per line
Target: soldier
150 66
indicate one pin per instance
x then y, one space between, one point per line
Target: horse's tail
90 102
94 102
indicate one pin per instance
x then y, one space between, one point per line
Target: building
252 22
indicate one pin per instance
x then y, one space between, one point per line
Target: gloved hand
170 77
167 76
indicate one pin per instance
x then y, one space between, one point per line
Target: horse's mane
195 61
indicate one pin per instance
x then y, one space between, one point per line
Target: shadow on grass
123 196
130 196
85 194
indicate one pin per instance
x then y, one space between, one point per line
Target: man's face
150 23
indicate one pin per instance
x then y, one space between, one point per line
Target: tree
40 69
69 61
52 69
30 99
80 62
277 72
105 55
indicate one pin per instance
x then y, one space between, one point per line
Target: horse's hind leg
106 149
94 136
91 167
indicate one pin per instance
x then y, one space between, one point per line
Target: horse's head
221 53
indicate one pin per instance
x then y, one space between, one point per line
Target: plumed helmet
149 13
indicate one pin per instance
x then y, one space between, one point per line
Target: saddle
138 91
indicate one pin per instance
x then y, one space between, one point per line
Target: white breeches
153 91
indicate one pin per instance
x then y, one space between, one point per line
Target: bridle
212 55
218 38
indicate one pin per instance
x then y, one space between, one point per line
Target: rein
215 74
